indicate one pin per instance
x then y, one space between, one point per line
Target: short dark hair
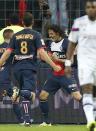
28 19
57 29
14 19
7 31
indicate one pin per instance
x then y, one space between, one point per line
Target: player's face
91 10
9 35
52 35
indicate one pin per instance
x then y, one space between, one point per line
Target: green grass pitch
14 127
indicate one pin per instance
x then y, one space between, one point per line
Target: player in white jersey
84 33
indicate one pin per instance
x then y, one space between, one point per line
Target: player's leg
44 106
86 79
51 86
16 105
94 99
5 77
69 84
27 92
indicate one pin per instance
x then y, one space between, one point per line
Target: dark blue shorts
26 79
54 83
5 75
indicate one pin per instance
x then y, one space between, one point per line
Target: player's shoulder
28 31
36 33
65 42
81 19
4 45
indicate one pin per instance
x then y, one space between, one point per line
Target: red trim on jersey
75 29
10 49
61 72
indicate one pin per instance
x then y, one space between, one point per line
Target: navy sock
26 107
26 94
45 110
18 113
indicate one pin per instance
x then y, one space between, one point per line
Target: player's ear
22 22
33 22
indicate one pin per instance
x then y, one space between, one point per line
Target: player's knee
77 95
87 88
43 95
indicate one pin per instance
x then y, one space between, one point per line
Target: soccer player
27 44
14 25
57 51
84 33
5 74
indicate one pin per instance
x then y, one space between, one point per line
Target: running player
84 33
57 51
27 44
5 74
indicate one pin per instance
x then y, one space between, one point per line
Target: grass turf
14 127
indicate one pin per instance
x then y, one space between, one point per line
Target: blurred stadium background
63 108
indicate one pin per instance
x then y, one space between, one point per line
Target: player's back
25 48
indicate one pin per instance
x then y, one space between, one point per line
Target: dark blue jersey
5 72
3 47
59 48
25 45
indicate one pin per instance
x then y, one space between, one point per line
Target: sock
88 107
26 94
94 99
45 110
26 107
17 111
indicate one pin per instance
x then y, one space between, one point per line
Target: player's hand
68 71
55 57
57 68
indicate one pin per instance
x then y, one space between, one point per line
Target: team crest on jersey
43 43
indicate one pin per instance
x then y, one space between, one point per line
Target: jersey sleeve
73 36
65 44
12 44
39 41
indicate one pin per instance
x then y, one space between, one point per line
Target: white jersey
84 33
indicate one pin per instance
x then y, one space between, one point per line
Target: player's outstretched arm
70 50
4 57
44 56
69 56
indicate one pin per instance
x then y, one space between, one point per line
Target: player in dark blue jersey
5 74
57 51
27 45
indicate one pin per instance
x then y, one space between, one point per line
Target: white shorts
87 72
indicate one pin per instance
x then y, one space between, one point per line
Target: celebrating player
27 44
5 74
84 33
57 50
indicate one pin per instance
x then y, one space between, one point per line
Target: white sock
88 107
94 99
